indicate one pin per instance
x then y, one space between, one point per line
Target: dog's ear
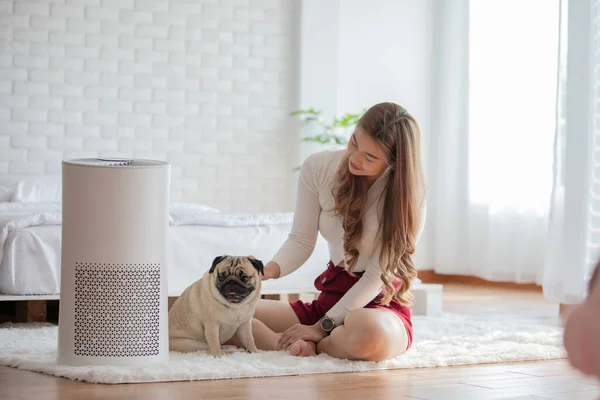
258 265
216 261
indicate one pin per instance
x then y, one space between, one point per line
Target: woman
368 203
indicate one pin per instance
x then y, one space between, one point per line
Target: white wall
356 54
205 85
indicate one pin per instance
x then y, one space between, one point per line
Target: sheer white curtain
494 138
574 229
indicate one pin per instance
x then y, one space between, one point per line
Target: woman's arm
305 226
370 284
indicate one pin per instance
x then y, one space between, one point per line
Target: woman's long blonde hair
398 134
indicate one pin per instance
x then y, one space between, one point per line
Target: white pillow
46 189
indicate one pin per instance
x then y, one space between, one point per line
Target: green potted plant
335 132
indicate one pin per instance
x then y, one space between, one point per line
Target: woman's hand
272 271
312 333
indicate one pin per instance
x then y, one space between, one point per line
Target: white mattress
30 236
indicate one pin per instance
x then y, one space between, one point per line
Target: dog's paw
216 354
252 349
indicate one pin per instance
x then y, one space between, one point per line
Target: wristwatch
327 324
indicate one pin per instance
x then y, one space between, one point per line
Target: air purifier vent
115 162
117 310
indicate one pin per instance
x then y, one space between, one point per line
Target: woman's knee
372 335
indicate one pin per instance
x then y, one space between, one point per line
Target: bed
30 242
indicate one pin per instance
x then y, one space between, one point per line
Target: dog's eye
245 279
220 278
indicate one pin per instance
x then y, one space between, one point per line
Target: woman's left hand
312 333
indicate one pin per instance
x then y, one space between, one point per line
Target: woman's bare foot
301 348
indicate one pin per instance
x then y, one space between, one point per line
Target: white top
314 213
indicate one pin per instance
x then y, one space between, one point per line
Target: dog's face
236 278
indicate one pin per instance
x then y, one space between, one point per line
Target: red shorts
333 284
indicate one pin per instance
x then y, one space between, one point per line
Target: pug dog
214 308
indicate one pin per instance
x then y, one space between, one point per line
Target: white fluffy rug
449 340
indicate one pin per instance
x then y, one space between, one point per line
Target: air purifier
113 284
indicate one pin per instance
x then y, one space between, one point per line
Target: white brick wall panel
45 155
79 51
180 82
6 60
133 120
178 110
45 23
13 128
26 88
26 115
66 64
64 117
6 7
165 121
81 130
81 104
117 54
24 8
166 145
199 83
65 90
101 14
135 94
45 103
46 129
99 144
82 78
102 66
135 145
201 121
116 4
30 35
46 76
133 68
116 28
145 56
27 142
196 172
66 11
117 132
149 81
12 154
26 167
46 50
100 92
131 42
83 26
177 33
197 97
177 96
84 2
151 133
112 79
135 17
98 118
8 46
9 101
149 108
167 45
153 31
111 105
98 40
202 72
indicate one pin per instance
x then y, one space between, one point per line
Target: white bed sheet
30 254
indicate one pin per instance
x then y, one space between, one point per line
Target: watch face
327 324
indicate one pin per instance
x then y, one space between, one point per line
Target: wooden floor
539 380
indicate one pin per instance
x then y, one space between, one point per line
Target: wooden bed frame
34 308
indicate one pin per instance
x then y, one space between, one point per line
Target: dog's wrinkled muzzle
235 291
